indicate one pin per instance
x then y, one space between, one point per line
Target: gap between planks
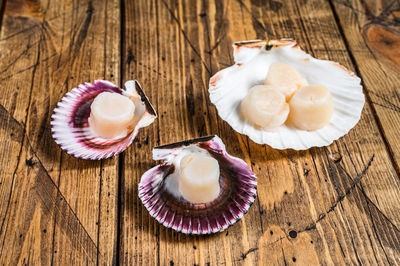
121 157
2 9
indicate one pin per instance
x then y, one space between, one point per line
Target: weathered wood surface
372 33
60 210
333 205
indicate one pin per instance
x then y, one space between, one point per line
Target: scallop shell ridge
70 126
252 59
198 219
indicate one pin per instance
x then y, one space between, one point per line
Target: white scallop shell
229 86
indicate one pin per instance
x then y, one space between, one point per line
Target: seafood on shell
70 121
253 59
160 192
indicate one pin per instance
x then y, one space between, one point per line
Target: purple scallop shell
70 125
238 191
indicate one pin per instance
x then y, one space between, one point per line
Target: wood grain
165 50
47 49
333 205
371 31
313 25
308 186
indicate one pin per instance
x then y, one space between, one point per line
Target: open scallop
253 59
71 124
205 210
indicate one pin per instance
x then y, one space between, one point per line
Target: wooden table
334 205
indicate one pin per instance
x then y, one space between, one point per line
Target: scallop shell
159 192
70 120
229 86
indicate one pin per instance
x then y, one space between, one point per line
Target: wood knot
384 41
30 162
27 9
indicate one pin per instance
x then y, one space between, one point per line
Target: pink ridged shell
70 126
238 191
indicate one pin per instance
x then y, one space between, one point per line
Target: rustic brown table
334 205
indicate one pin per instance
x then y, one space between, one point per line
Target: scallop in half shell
70 125
230 86
161 195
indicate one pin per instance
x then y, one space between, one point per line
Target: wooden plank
332 205
371 30
311 207
54 208
366 138
312 24
165 49
322 182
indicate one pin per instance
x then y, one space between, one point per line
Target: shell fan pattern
238 188
70 120
230 86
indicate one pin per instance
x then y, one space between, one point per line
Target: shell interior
70 121
158 189
229 86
